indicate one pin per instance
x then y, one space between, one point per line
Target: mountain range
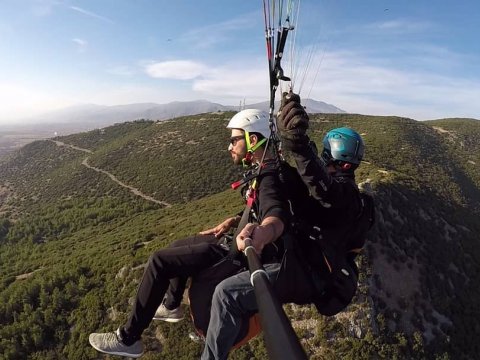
80 214
89 116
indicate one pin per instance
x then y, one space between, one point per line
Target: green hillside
80 214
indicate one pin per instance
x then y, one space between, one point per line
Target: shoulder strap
252 193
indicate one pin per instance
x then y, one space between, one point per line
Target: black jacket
329 203
326 210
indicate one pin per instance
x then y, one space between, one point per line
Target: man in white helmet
188 257
327 230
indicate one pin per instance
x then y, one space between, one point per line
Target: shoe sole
135 356
170 320
118 353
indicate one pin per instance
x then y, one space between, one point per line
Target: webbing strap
234 252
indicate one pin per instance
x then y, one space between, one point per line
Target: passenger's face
331 169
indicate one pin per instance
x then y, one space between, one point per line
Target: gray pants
233 301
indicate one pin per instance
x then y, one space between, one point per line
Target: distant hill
89 116
312 107
78 222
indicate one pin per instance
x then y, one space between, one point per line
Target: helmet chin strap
247 160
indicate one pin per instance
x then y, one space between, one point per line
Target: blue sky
415 58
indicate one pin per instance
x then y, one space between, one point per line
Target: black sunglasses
234 139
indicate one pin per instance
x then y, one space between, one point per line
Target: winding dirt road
85 163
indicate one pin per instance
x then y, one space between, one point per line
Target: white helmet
251 120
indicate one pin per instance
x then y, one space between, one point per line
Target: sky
410 58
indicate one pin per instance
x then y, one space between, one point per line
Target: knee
152 259
229 294
154 263
221 296
227 298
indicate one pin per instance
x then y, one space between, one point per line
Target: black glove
292 120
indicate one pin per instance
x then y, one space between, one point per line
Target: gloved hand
292 118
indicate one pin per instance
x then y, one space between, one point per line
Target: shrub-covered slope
79 216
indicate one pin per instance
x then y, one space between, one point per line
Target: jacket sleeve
312 170
328 190
272 200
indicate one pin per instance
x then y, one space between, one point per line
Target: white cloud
348 81
91 14
245 78
177 69
81 45
235 82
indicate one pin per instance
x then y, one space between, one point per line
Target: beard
238 158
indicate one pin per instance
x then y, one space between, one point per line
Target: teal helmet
343 145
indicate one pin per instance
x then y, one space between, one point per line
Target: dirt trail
27 275
59 143
135 191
